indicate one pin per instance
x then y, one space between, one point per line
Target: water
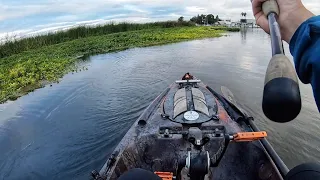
69 129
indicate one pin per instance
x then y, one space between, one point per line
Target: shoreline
26 71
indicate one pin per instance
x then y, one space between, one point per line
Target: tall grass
17 46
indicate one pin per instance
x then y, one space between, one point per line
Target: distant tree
194 19
217 18
199 19
180 19
244 14
210 19
203 19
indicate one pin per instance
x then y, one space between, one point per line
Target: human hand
292 15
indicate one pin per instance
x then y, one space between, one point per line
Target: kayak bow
191 132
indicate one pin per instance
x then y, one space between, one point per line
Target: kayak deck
163 139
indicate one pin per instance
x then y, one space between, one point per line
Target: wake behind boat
191 132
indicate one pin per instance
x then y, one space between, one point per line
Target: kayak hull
157 140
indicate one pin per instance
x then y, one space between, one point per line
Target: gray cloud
73 12
226 7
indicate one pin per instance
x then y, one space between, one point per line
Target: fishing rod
281 95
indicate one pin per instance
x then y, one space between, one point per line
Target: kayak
192 132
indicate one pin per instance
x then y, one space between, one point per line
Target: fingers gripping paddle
281 95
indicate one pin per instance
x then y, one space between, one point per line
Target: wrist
293 21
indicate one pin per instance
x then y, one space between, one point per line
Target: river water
69 129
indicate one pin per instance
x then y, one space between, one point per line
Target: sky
21 18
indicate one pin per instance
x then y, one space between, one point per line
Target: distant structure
248 23
244 22
223 23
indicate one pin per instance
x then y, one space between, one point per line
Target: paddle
228 95
281 95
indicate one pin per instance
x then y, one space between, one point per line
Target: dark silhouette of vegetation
205 19
210 19
181 19
244 14
218 19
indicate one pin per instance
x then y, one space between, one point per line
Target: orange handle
164 175
249 136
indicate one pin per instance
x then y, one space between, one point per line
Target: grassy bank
14 47
25 70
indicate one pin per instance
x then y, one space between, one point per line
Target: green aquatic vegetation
14 47
25 71
231 29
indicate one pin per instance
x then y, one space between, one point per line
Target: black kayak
192 132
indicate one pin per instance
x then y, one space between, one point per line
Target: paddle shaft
281 95
283 169
276 41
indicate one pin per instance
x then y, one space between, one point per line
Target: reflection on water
71 128
243 32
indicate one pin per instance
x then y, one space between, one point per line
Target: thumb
261 19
